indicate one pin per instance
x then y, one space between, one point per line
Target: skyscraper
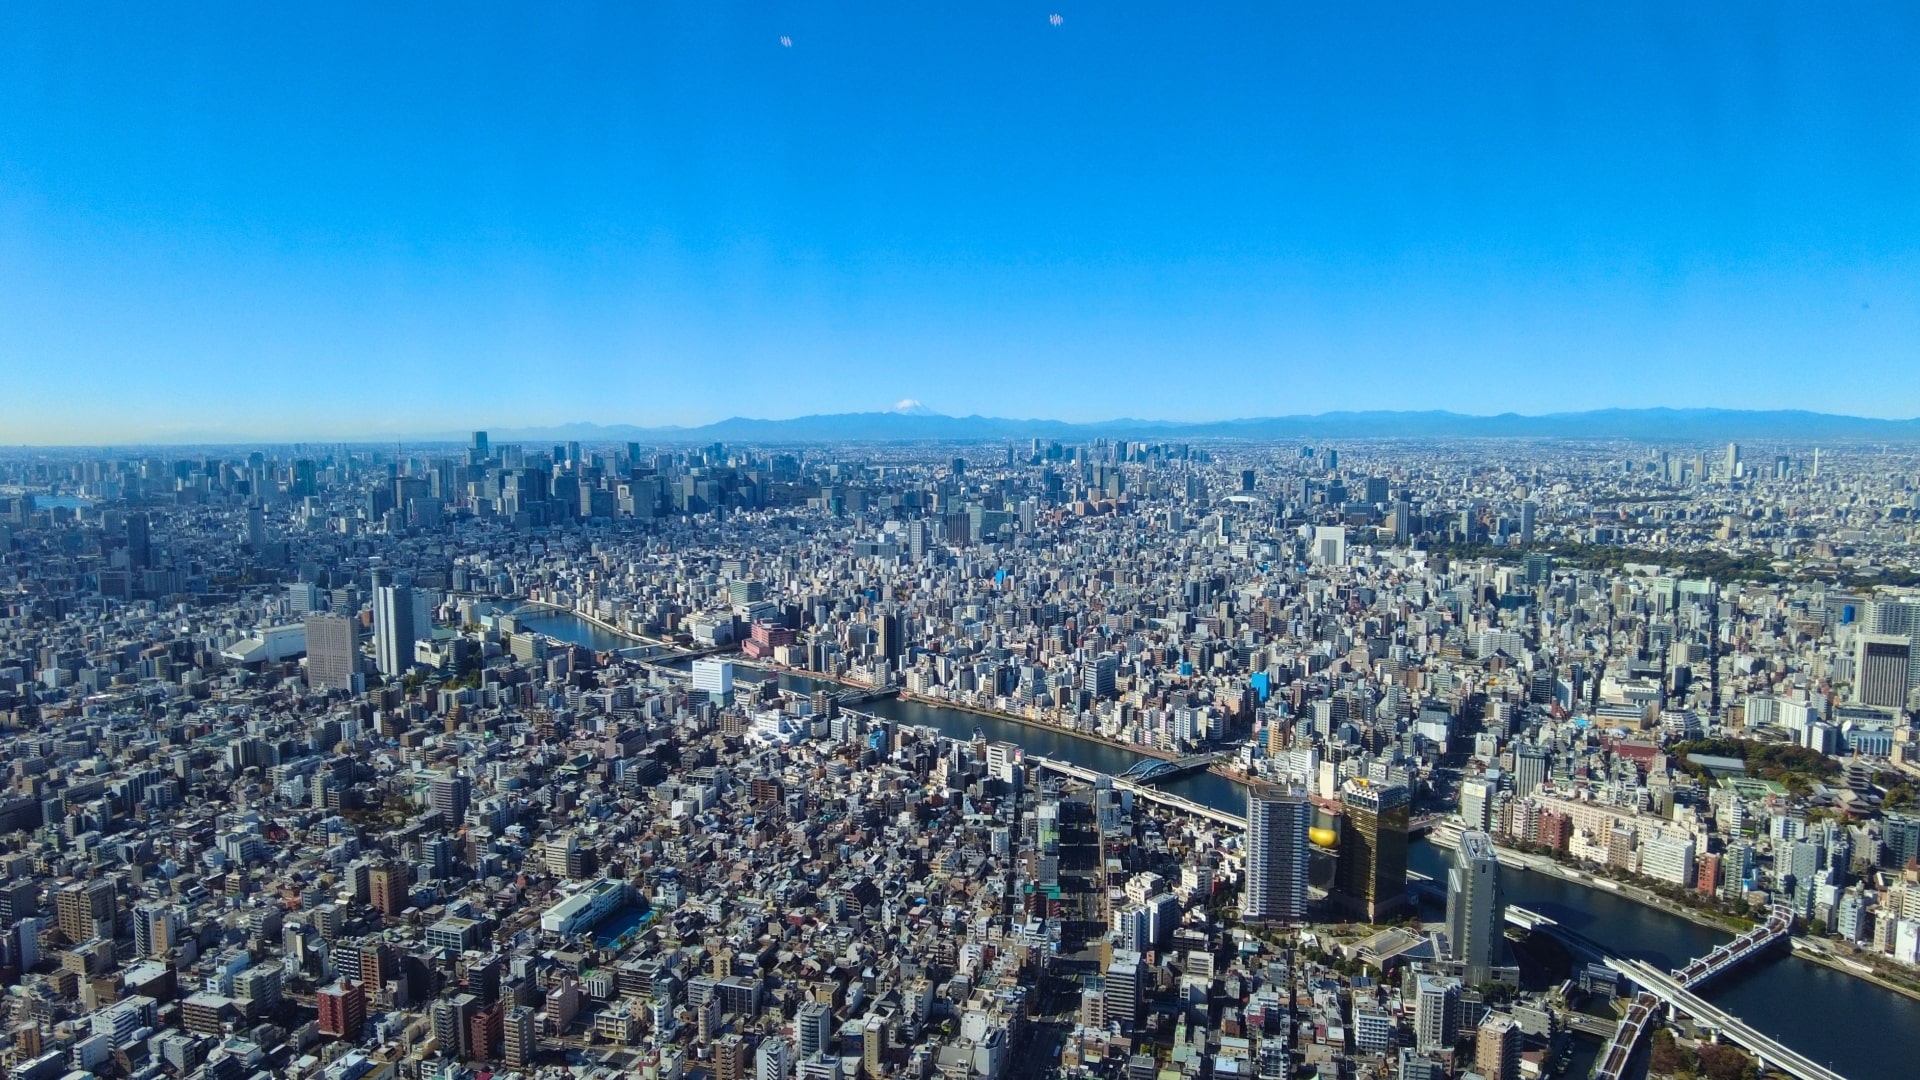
333 652
256 531
1277 820
1881 666
139 554
1372 872
1898 618
889 637
1476 908
393 630
387 885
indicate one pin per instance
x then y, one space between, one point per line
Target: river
1854 1027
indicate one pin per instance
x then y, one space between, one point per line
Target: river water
1854 1027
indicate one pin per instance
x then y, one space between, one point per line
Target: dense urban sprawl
297 785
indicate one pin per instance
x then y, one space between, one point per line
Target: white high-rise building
1476 908
393 630
1476 804
713 675
304 597
1668 858
1330 545
1436 1013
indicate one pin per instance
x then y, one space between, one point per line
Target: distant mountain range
1640 424
912 422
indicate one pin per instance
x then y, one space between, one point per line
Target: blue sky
305 219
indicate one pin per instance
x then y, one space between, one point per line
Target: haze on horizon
351 221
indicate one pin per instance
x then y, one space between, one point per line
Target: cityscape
1114 759
745 541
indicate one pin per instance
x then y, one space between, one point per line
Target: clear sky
288 219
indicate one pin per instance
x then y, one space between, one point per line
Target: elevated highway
1139 790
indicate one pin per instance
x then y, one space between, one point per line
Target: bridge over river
1674 991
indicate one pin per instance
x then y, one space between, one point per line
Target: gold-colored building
1372 874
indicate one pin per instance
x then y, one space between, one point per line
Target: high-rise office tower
1901 618
713 675
1372 871
890 633
139 548
393 630
1277 820
333 652
1476 908
256 531
1881 668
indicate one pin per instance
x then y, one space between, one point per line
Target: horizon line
629 431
